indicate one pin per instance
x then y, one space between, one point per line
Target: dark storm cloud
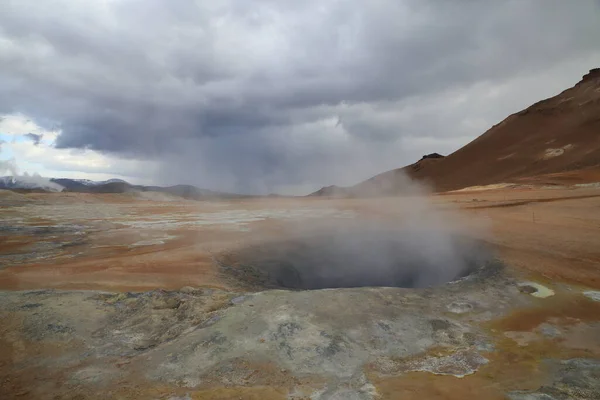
33 137
256 95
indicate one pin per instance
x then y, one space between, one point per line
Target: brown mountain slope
556 140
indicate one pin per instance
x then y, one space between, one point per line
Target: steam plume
404 241
33 180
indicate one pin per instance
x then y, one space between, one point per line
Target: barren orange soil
126 244
123 243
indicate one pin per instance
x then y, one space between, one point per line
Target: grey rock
214 337
460 307
575 379
239 299
190 290
549 330
165 303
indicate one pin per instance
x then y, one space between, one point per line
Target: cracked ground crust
510 367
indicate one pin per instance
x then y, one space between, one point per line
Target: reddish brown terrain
120 242
140 288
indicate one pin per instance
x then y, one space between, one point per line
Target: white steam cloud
406 241
25 180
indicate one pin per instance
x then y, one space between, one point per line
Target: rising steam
25 179
404 241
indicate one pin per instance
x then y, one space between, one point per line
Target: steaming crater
359 257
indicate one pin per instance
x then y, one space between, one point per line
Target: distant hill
332 191
29 184
554 141
386 184
192 192
86 185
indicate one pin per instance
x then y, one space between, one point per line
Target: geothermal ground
494 294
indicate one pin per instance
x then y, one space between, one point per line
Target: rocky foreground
362 343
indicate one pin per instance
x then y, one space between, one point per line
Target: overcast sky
272 95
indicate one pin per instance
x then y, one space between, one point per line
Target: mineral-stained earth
146 296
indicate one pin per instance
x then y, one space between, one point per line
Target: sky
262 96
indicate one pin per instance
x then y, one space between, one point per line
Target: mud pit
349 257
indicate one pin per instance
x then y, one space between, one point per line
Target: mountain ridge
38 184
553 141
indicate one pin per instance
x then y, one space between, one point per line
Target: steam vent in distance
300 200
